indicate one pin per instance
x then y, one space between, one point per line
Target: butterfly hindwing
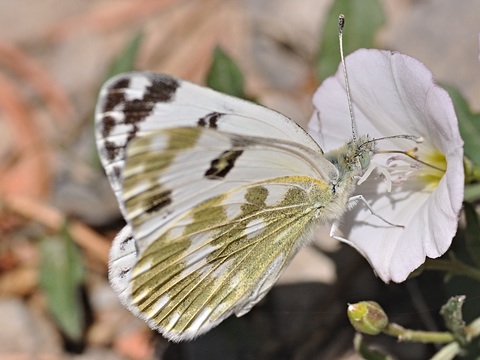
210 246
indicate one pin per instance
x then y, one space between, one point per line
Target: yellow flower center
433 167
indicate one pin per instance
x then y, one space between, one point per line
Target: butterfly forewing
135 103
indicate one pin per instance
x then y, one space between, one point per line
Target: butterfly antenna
341 24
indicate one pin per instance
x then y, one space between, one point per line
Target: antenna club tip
419 139
341 20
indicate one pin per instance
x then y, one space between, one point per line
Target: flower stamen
401 168
411 154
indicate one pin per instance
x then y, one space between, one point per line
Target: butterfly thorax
350 160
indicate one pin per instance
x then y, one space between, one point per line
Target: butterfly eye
364 159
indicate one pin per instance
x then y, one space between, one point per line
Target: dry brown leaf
106 17
18 282
27 171
182 43
38 78
135 345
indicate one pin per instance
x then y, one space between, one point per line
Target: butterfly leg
334 228
353 200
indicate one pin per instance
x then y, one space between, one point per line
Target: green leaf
471 233
363 18
469 124
125 61
225 76
61 277
452 315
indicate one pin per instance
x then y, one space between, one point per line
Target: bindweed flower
419 186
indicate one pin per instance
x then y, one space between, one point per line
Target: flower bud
367 317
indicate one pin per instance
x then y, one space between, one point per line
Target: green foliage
472 192
452 315
61 278
363 18
469 124
225 75
125 61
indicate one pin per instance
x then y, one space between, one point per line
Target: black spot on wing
115 175
132 112
117 172
116 94
159 201
108 123
125 242
162 88
124 272
209 120
111 150
221 166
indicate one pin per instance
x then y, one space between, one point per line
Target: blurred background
58 214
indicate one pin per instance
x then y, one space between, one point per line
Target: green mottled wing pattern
212 245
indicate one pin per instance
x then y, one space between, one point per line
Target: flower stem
453 266
447 352
473 329
418 336
451 350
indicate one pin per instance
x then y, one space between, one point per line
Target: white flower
394 94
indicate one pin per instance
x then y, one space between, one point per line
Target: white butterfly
218 193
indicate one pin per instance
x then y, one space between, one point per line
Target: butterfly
218 194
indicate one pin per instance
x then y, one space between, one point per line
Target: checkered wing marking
209 246
136 103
